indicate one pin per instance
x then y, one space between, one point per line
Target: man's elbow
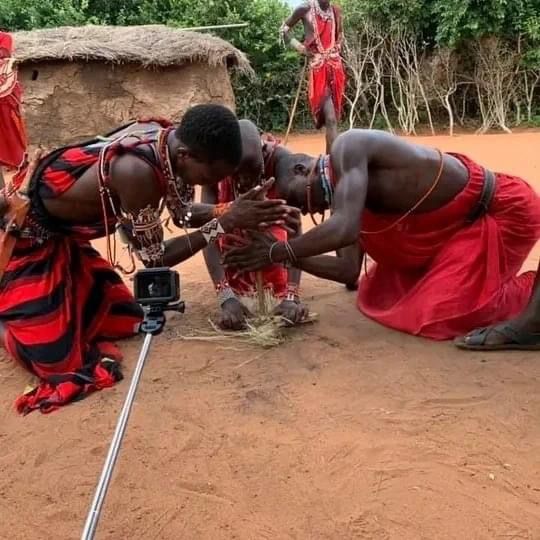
350 271
347 235
350 275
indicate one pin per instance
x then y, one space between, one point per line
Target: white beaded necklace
326 15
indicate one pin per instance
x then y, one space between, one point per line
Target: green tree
26 15
438 24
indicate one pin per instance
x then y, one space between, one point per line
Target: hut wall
66 102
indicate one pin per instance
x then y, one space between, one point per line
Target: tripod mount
157 290
154 317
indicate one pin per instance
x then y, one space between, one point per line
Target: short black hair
212 133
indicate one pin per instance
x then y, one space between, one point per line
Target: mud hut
79 81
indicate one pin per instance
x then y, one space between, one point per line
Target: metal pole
103 485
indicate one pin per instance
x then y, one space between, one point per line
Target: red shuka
439 277
275 277
12 131
61 304
327 74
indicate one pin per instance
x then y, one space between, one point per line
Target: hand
293 220
233 315
300 48
292 312
251 211
254 256
259 193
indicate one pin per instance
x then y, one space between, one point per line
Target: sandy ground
347 431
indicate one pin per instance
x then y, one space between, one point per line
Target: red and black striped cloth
61 303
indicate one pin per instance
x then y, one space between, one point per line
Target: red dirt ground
348 431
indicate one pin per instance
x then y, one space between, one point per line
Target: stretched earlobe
300 170
182 152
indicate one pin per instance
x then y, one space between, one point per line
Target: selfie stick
154 321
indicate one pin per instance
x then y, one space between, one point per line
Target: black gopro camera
156 287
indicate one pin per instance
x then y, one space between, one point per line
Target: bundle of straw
264 329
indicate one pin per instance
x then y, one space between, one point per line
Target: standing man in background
12 132
323 31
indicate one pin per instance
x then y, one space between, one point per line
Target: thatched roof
152 45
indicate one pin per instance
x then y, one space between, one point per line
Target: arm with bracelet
247 211
141 220
194 215
340 231
286 29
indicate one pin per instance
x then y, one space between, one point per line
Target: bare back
400 173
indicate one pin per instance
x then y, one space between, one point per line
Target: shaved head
251 166
251 139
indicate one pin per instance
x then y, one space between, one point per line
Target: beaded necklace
325 14
178 198
320 172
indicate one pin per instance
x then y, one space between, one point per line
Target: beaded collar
320 172
326 15
180 195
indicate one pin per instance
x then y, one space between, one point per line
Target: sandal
514 340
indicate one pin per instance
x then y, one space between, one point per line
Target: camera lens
159 287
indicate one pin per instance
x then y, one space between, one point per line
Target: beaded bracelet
185 219
291 256
290 253
270 252
212 231
293 293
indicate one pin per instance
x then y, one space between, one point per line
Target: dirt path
348 431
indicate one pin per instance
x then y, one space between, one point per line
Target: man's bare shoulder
352 136
378 148
132 176
356 140
131 166
374 146
302 10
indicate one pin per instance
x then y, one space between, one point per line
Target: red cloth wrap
61 304
327 74
437 276
12 132
244 283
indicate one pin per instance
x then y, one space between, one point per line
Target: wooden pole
216 27
261 296
295 105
